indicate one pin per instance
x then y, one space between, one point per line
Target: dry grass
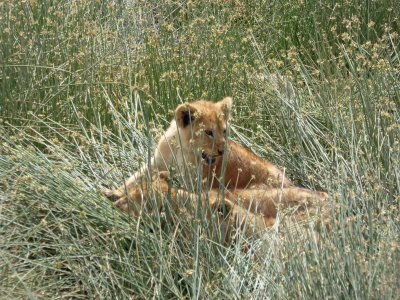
87 86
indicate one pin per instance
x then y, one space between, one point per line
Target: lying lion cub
196 142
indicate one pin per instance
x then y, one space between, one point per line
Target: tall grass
86 89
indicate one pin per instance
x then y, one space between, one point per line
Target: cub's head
202 127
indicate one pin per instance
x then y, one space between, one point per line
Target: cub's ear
226 106
185 114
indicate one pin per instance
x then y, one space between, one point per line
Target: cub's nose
220 152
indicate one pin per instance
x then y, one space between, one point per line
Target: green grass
86 88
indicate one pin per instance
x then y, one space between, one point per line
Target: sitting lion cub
196 141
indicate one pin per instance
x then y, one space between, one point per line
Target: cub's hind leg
267 201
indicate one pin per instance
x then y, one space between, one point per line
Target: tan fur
251 211
196 141
212 202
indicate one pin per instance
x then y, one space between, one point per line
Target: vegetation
86 87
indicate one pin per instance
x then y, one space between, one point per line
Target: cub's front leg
164 157
137 179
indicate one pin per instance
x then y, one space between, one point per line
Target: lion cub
196 143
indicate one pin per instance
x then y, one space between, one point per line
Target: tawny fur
196 141
250 210
228 211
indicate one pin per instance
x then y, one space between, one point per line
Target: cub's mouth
208 159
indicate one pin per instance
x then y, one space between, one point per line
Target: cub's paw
122 204
110 194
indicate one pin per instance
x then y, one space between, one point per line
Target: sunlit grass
87 87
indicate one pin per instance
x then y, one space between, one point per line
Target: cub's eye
224 132
209 133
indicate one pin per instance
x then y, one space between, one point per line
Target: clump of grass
62 238
87 87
